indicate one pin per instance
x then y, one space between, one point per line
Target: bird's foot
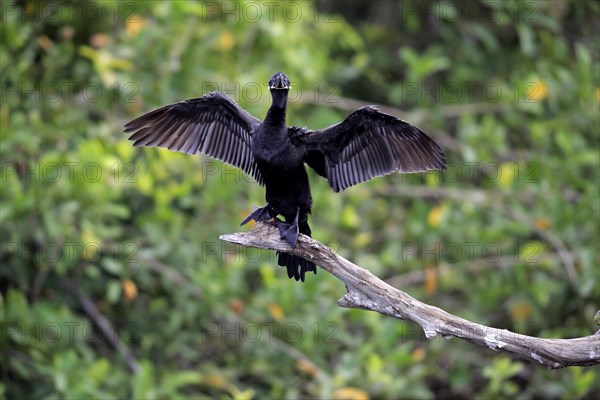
289 232
259 215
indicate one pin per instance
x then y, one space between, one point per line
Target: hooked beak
279 84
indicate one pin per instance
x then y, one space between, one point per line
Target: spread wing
213 124
367 144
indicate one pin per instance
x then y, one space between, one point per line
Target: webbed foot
259 215
289 232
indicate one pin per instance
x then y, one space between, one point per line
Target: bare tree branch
366 291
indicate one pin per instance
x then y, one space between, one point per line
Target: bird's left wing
367 144
213 124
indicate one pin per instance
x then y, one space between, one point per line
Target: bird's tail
297 266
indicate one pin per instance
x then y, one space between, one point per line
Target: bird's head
279 81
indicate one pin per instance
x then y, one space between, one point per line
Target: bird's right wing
367 144
213 124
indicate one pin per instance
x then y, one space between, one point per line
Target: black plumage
366 144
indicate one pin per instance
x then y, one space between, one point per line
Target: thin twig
419 276
104 326
565 255
421 116
170 273
476 196
447 111
366 291
38 281
483 197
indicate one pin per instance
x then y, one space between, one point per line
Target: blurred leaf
143 382
129 289
350 393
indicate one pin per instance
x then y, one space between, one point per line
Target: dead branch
104 325
366 291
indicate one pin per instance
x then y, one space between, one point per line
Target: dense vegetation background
113 282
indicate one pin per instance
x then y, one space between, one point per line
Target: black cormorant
366 144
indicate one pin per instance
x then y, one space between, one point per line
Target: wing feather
367 144
212 124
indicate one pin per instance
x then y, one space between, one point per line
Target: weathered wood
368 292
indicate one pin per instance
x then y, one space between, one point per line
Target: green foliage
499 373
508 236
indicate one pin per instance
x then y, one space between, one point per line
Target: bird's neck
277 112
